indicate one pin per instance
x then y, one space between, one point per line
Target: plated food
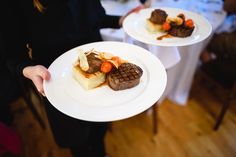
102 103
177 26
93 68
136 26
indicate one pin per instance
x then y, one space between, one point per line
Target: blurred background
196 116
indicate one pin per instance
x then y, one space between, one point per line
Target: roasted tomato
189 23
166 26
106 67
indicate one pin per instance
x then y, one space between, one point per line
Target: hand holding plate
37 74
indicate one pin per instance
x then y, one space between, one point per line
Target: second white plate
135 26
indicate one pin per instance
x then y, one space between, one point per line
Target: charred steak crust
126 76
181 31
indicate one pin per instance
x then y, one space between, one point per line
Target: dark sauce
164 36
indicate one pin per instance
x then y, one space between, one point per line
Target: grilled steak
94 63
158 16
181 31
126 76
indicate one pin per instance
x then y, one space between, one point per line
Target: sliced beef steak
94 63
126 76
181 31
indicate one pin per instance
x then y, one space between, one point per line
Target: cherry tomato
189 23
166 26
117 60
106 67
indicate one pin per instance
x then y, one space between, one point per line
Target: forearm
16 65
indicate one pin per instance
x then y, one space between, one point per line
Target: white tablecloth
179 75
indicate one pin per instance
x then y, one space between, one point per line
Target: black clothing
80 132
9 92
9 88
63 25
142 1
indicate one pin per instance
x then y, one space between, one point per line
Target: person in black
52 27
10 143
9 88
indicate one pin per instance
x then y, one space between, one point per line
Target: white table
179 75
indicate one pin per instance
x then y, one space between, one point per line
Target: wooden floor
184 131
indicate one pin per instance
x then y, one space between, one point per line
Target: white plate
135 26
102 103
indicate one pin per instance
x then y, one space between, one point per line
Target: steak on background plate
126 76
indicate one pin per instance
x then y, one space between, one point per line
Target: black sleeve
142 1
110 21
14 38
98 14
